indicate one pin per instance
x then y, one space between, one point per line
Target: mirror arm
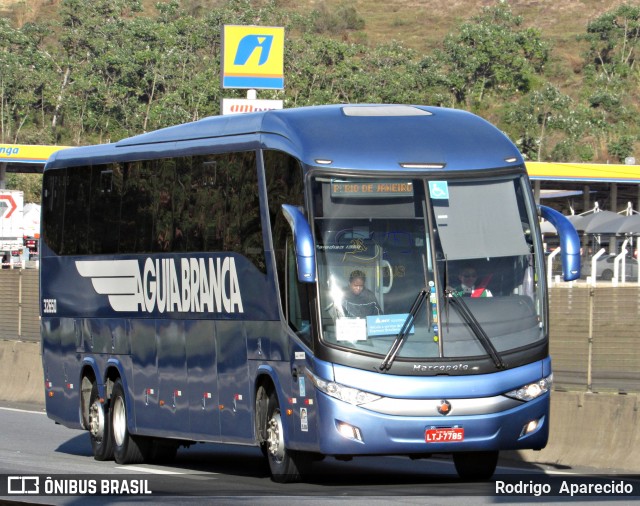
303 239
569 241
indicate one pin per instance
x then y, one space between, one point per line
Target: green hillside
560 78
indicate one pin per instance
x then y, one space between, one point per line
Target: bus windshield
380 243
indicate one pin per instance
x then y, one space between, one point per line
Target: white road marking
152 470
23 411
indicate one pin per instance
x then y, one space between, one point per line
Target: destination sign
371 189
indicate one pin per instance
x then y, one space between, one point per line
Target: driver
358 300
469 285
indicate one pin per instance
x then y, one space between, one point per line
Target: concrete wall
587 429
592 430
21 376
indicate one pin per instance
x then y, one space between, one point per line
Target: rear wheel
286 465
476 466
607 275
127 449
99 427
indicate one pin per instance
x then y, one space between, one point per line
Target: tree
531 118
492 53
29 184
25 74
611 75
614 40
621 147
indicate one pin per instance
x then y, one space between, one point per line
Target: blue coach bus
196 286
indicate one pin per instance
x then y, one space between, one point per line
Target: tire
607 275
99 424
127 449
286 465
476 466
262 405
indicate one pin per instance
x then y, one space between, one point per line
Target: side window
221 211
137 204
283 175
172 205
53 187
168 199
242 230
296 297
104 212
76 212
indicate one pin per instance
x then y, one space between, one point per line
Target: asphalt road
34 447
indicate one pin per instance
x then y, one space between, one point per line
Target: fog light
349 431
530 427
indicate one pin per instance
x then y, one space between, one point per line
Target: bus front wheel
99 427
286 465
127 449
476 466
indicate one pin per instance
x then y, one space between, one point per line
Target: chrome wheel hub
96 420
119 421
275 437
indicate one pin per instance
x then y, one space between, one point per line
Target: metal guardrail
595 336
19 304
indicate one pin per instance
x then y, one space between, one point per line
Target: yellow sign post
253 57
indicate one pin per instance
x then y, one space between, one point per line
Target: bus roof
337 133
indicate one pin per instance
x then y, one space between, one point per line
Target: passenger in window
358 300
470 286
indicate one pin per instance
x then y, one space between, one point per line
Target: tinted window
283 175
173 205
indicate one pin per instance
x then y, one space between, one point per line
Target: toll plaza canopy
25 158
576 188
583 172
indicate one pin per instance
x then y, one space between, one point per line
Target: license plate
444 435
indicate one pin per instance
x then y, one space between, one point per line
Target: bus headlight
342 392
532 390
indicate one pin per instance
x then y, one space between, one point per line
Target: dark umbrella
576 219
594 219
606 224
547 228
630 225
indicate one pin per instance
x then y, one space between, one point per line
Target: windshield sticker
439 190
387 325
351 329
302 386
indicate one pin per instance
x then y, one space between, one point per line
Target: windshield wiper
466 314
404 331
